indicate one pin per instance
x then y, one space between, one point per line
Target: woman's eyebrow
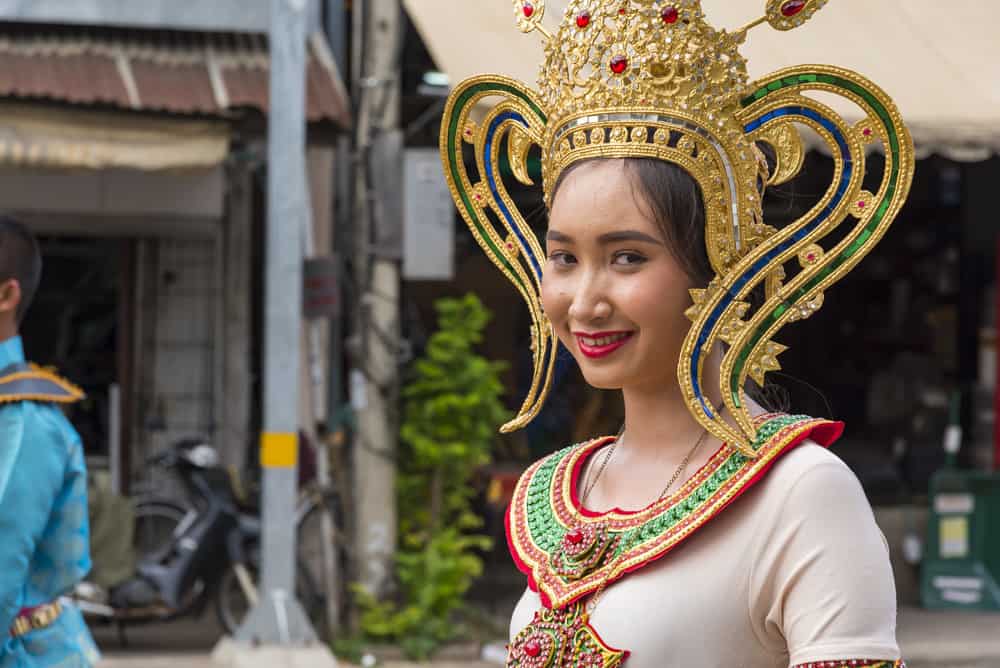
628 235
607 237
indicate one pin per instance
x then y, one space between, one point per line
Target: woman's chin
604 379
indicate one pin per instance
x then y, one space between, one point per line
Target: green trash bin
961 566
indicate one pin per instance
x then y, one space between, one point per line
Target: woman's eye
629 259
561 258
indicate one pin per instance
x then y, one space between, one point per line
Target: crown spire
529 15
785 14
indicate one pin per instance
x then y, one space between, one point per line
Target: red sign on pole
320 290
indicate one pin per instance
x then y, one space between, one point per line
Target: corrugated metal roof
177 72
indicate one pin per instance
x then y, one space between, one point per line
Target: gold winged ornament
652 78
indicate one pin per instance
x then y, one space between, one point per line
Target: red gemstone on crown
862 204
619 64
583 20
670 15
528 9
532 648
792 7
811 257
622 11
574 537
867 132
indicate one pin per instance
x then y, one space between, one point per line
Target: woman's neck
658 423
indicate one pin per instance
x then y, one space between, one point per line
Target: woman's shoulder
808 458
808 478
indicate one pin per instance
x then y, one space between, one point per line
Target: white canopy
938 59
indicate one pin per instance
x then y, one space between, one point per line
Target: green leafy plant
451 412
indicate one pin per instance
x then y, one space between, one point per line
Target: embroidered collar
567 551
22 381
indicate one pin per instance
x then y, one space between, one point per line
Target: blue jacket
44 535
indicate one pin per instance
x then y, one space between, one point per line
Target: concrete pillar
237 380
374 382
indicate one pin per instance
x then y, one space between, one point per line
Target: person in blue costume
44 536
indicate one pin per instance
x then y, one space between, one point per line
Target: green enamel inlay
455 157
854 247
541 517
546 531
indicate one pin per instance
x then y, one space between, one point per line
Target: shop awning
186 73
938 60
40 136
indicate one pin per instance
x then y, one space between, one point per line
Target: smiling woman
661 277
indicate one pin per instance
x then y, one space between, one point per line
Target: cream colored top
795 571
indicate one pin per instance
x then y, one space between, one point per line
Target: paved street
929 640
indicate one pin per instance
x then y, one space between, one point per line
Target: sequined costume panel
43 519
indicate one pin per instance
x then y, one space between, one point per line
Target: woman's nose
590 303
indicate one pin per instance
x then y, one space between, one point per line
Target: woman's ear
10 296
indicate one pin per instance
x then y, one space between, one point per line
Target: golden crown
651 78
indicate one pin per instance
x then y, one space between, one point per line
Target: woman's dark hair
675 202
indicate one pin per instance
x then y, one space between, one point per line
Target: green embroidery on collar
546 529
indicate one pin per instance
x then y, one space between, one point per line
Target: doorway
80 324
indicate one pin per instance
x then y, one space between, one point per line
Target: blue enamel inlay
805 230
491 180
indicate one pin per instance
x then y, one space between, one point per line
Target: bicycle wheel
310 538
232 604
156 520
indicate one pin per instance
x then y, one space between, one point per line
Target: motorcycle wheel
156 520
232 605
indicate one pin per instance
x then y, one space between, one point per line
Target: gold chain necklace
592 604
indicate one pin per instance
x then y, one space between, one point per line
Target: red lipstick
601 344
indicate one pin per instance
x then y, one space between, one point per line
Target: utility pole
374 379
277 630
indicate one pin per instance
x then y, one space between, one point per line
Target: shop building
137 157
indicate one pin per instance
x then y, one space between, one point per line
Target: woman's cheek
555 301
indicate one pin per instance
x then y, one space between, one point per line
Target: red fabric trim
521 566
824 433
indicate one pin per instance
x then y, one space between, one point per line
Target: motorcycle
209 555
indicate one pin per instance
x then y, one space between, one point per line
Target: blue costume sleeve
32 469
11 434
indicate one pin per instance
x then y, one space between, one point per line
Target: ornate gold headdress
651 78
